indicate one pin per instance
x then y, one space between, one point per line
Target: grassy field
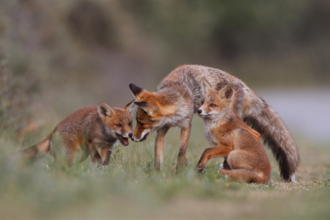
128 187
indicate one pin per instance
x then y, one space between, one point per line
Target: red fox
179 96
84 131
245 158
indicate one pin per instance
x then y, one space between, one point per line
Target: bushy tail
243 175
274 133
36 151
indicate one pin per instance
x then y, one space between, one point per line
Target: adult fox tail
36 151
263 119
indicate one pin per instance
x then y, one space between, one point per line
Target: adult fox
245 158
178 97
86 130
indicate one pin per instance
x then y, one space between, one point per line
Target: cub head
148 115
117 121
216 104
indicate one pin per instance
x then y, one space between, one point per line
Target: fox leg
242 175
211 153
184 138
159 147
241 168
96 158
105 155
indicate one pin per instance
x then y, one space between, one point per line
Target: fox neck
176 109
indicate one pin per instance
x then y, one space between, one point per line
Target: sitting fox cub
84 131
245 158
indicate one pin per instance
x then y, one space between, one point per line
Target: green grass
129 188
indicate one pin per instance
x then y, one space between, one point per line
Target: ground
128 187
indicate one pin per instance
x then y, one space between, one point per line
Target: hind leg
239 159
241 175
242 168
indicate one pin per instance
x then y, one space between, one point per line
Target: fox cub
245 158
86 131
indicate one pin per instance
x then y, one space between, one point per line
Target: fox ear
130 107
206 85
149 108
105 110
227 92
135 90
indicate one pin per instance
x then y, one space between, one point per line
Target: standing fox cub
245 158
86 130
179 96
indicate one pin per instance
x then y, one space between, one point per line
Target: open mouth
122 140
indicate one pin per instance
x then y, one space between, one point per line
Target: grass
129 188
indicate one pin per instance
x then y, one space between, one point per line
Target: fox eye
212 105
141 124
130 124
119 125
202 102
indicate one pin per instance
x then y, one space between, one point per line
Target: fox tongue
125 141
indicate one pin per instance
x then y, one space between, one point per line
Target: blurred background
58 56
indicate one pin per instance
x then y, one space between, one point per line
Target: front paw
199 169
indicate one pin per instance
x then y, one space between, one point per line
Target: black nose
199 111
130 135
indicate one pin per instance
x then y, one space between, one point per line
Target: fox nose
199 111
130 135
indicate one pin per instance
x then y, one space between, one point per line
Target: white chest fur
211 139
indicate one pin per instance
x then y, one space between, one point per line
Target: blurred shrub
16 89
88 22
96 47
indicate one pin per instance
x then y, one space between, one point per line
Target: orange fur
178 97
231 138
87 130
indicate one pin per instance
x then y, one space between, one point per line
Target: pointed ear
206 85
130 107
104 110
149 108
135 90
227 92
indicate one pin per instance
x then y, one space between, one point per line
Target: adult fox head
151 112
117 121
216 104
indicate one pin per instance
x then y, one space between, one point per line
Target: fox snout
201 113
141 137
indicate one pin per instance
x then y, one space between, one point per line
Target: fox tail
36 151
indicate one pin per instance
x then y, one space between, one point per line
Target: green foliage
130 188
